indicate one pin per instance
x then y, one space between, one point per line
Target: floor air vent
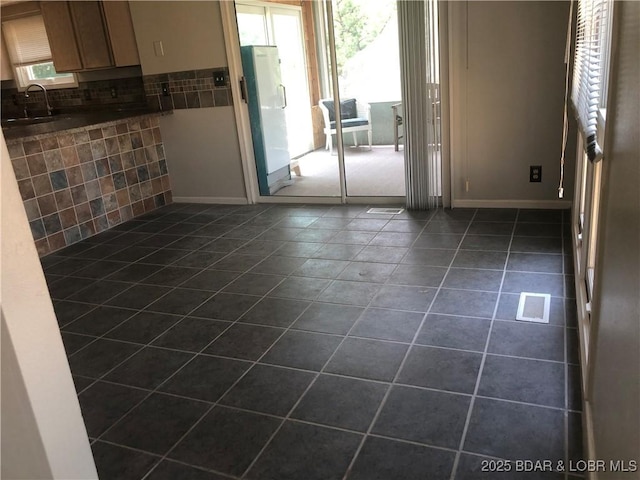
534 307
386 211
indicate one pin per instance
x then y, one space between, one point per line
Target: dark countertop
19 131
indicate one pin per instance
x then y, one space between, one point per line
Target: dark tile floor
304 342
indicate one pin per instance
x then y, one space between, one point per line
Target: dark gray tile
101 356
535 262
99 269
350 293
67 312
515 431
328 318
277 265
480 259
157 423
226 440
103 404
575 451
434 418
100 291
387 325
352 238
260 247
321 268
573 346
441 368
465 303
337 252
574 388
473 279
149 367
455 332
315 235
254 284
134 272
99 321
383 459
226 306
446 226
244 341
168 470
366 225
536 245
117 463
306 451
418 275
527 340
486 242
523 380
540 216
199 259
211 280
516 282
367 272
143 327
341 402
300 288
381 254
394 239
416 299
205 378
495 215
138 296
538 230
435 240
277 312
268 389
429 256
191 334
73 343
369 359
170 276
491 228
309 351
238 263
404 226
180 301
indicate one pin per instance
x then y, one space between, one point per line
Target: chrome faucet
46 98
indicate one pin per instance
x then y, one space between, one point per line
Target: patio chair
356 117
434 95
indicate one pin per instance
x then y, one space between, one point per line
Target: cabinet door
91 34
59 26
120 27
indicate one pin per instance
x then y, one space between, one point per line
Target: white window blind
589 69
27 41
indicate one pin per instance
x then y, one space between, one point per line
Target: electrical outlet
219 79
535 173
114 92
165 89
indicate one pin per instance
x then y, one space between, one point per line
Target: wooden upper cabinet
120 27
91 34
62 40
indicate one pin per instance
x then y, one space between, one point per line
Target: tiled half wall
80 182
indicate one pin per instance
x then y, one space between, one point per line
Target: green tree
356 28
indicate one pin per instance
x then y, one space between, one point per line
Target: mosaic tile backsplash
188 89
103 94
80 182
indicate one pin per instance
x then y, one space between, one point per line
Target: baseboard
533 204
219 200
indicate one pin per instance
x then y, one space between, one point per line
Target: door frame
243 125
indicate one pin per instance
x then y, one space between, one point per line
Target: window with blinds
29 52
589 73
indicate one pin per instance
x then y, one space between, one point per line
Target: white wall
203 155
201 144
507 94
6 72
615 404
43 434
